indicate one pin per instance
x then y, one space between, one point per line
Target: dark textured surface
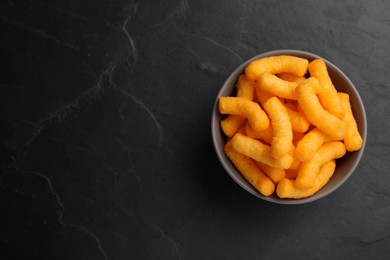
106 149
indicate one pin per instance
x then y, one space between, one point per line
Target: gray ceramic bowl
345 166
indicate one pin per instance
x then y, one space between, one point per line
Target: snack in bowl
292 137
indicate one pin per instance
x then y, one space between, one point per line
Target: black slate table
106 148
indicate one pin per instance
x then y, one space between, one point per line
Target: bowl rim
215 127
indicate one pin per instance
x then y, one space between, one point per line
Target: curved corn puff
287 189
328 95
250 171
281 125
275 65
310 143
277 86
352 140
315 113
241 106
308 170
245 89
260 152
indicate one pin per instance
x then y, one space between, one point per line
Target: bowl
345 165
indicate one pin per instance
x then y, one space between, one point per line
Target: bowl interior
345 166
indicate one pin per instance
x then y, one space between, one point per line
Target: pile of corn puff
287 125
